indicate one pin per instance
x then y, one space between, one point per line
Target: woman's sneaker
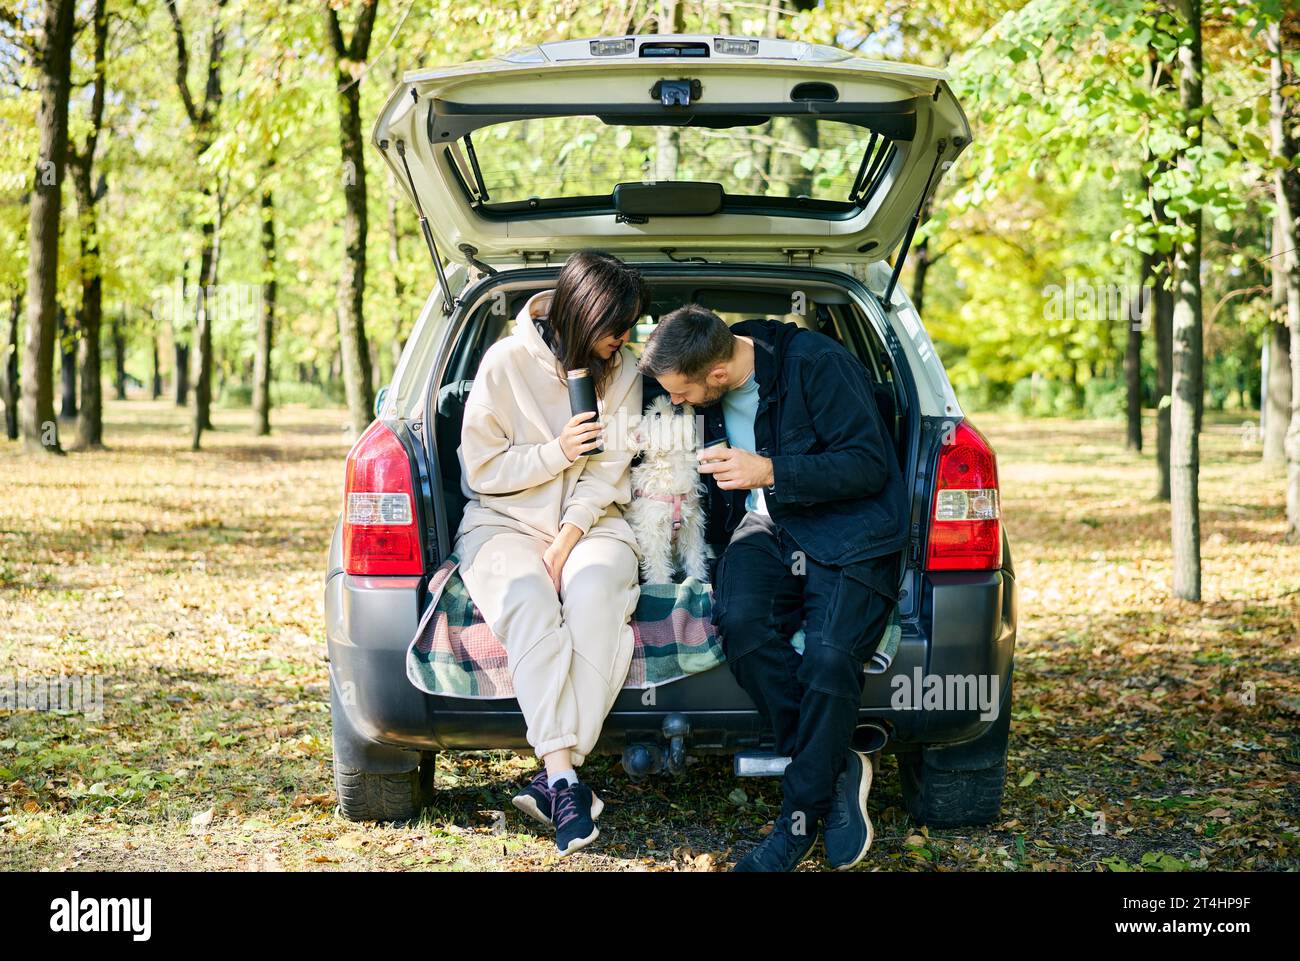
538 799
574 827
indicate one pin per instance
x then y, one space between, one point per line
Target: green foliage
1068 127
1105 398
1044 398
236 396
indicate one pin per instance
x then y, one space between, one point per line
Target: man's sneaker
574 828
847 831
781 850
537 799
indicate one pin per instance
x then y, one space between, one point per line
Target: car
759 177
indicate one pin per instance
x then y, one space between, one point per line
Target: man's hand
558 552
736 469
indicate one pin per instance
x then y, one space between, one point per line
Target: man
810 501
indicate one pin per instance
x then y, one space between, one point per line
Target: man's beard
711 396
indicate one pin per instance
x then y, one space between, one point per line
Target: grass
1147 734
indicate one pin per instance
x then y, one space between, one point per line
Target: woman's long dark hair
596 296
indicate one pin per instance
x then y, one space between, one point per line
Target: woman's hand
555 555
578 437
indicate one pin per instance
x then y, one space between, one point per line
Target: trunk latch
676 93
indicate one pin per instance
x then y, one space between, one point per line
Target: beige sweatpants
568 654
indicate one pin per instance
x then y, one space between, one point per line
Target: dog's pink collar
675 499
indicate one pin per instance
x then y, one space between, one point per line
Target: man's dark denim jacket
837 490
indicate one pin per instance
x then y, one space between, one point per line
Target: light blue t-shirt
739 408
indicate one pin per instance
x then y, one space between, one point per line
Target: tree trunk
1184 446
90 419
667 151
39 428
208 300
181 373
67 366
1136 317
352 279
1285 115
180 342
395 261
1275 410
203 334
1162 311
266 330
157 368
9 367
351 310
1163 304
803 136
202 116
214 299
119 359
921 267
923 260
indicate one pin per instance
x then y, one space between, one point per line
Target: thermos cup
582 397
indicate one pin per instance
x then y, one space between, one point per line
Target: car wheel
367 796
959 786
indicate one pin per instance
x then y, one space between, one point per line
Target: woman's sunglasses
625 328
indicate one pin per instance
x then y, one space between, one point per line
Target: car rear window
550 158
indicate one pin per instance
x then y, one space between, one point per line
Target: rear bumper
965 633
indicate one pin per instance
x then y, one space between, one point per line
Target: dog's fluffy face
665 430
666 438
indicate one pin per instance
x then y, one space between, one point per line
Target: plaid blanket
455 654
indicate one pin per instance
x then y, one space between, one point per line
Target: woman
544 550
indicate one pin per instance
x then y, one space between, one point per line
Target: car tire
367 796
373 781
959 786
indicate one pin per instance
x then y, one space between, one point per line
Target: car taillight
966 526
379 531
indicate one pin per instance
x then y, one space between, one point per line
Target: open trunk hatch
703 145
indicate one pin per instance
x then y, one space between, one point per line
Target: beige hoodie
512 467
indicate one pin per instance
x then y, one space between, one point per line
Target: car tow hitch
642 759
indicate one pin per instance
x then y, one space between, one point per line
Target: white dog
665 513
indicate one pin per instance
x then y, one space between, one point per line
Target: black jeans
764 587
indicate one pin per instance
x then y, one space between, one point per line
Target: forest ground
1147 733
